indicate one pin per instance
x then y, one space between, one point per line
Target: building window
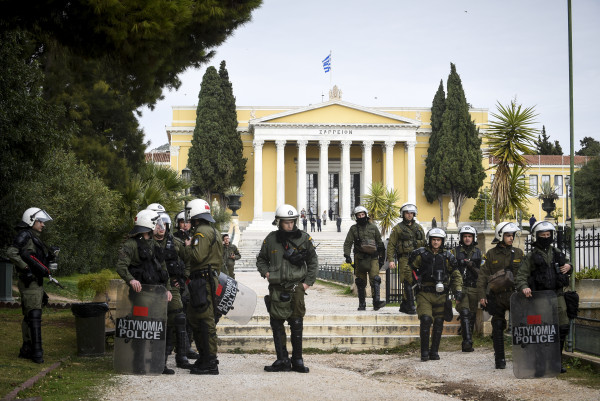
533 184
558 184
545 180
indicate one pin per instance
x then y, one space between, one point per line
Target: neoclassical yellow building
324 156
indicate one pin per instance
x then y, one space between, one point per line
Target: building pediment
335 112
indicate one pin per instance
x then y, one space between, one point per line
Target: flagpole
330 73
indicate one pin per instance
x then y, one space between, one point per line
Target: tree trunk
459 200
441 202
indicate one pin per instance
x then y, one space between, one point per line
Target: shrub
588 273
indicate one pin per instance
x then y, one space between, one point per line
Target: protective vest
410 237
548 276
469 274
150 270
175 266
433 265
40 253
182 235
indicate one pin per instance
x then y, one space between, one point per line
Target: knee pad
360 282
34 314
180 319
426 320
498 324
377 280
465 313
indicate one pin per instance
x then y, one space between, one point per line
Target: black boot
296 337
467 335
375 288
167 370
207 364
563 331
424 333
408 303
472 320
361 287
498 326
283 363
181 346
436 337
34 320
25 351
191 354
168 350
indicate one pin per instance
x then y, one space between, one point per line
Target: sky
394 54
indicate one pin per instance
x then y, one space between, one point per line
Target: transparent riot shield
535 336
235 300
140 330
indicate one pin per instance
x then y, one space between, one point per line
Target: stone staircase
352 332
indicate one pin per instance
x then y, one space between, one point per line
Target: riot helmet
158 208
408 207
198 209
35 213
467 230
145 221
504 228
540 227
285 212
436 233
361 209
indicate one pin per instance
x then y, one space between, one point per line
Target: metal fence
335 273
585 335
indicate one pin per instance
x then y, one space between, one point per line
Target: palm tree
381 204
509 139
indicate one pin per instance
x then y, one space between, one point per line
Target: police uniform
405 238
228 262
469 264
31 290
205 260
499 258
291 261
366 260
433 267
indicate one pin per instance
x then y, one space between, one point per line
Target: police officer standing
369 255
469 259
288 260
31 258
205 260
495 283
140 258
230 255
437 274
406 236
183 228
546 268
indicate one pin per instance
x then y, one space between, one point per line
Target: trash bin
89 324
6 271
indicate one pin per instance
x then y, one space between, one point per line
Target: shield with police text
235 300
535 336
140 330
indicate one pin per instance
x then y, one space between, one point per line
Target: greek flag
327 63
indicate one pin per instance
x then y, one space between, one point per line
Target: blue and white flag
327 63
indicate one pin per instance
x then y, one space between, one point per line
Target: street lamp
186 174
485 199
568 189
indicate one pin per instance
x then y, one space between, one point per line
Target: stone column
301 180
345 211
323 177
389 164
367 167
411 190
280 143
258 179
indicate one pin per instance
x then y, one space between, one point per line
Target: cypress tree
432 189
461 170
233 141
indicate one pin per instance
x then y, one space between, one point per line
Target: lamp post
485 199
186 174
568 189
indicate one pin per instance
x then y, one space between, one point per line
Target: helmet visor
41 215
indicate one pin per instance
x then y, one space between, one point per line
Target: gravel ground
457 375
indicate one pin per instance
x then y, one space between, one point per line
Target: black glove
458 295
348 259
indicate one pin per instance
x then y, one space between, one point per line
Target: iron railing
335 273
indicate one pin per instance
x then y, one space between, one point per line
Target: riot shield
535 336
140 330
235 300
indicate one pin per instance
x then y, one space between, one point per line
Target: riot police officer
205 259
369 255
183 228
173 250
230 255
140 258
495 283
406 236
31 258
469 259
287 259
546 268
437 273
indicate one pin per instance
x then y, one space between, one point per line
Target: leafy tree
545 147
234 145
589 147
479 211
461 171
509 138
381 204
587 188
432 185
83 209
